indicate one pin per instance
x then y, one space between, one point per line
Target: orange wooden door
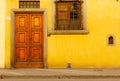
29 40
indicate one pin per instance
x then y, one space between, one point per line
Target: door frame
13 11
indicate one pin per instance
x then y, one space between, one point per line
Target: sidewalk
59 73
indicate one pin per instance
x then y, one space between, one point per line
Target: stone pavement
59 73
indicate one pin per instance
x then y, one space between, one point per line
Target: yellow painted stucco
10 4
101 18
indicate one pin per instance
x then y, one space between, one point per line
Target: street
109 79
60 75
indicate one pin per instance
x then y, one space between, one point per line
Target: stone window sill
67 32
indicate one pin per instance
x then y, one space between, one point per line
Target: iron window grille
69 15
29 4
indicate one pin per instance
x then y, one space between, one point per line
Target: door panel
28 40
21 38
21 22
36 54
36 34
37 20
22 54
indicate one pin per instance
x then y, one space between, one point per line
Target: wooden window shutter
68 15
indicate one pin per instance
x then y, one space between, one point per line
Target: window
69 15
110 40
29 4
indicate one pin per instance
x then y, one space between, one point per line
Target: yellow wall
2 33
102 18
9 5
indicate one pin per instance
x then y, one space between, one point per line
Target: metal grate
29 4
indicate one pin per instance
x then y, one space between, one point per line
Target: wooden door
29 40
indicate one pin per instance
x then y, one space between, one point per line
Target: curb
57 76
